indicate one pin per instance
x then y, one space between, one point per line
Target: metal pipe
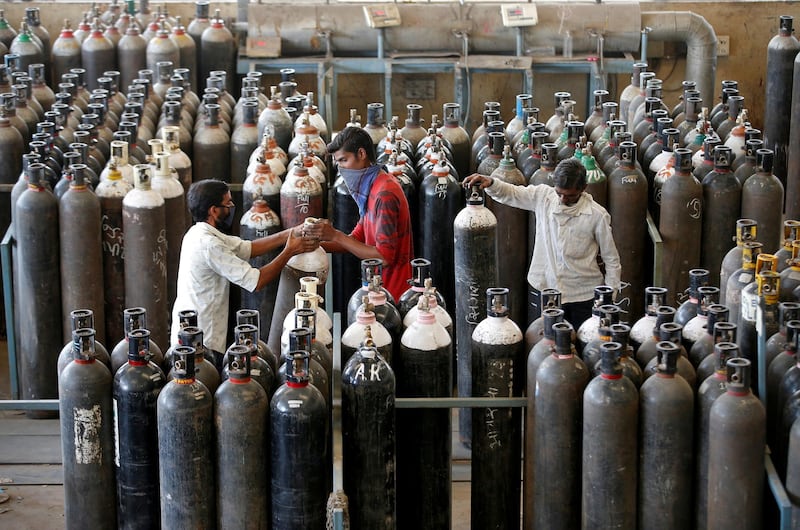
701 44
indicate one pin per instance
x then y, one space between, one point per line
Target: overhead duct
701 45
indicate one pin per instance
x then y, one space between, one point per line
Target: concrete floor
31 491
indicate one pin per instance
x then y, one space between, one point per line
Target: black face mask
225 225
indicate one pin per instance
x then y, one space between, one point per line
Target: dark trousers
574 312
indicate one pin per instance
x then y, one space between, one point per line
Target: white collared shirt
210 261
568 239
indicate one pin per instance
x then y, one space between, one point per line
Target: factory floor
31 490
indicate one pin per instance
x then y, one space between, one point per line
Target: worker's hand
299 244
326 230
476 179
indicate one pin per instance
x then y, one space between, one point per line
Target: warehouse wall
750 26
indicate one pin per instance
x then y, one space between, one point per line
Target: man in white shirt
571 230
211 258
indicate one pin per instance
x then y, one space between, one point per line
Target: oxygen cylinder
631 91
167 185
187 50
144 225
243 141
627 205
759 303
723 332
671 332
137 385
439 202
722 204
781 53
186 464
423 368
261 370
744 165
26 50
587 331
65 54
253 317
453 132
82 318
370 267
559 385
385 313
211 148
263 181
134 318
787 311
111 193
81 251
695 328
218 49
704 346
511 241
736 453
131 55
260 221
301 197
195 30
610 457
496 356
549 299
620 333
792 471
442 316
301 339
241 421
647 349
275 119
87 438
355 334
308 264
791 231
7 33
666 403
412 131
745 231
306 317
474 233
608 315
687 310
38 288
368 439
97 55
420 272
741 278
299 447
544 348
654 297
205 363
762 200
12 149
708 392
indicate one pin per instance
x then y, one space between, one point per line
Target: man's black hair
351 139
203 195
570 175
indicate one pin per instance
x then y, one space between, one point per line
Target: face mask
225 224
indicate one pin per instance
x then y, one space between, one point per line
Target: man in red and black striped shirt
384 228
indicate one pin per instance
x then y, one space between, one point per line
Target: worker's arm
341 242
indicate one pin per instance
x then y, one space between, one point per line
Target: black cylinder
87 438
241 419
610 457
137 385
299 446
39 289
497 370
666 406
423 368
368 440
736 454
781 53
186 464
560 383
